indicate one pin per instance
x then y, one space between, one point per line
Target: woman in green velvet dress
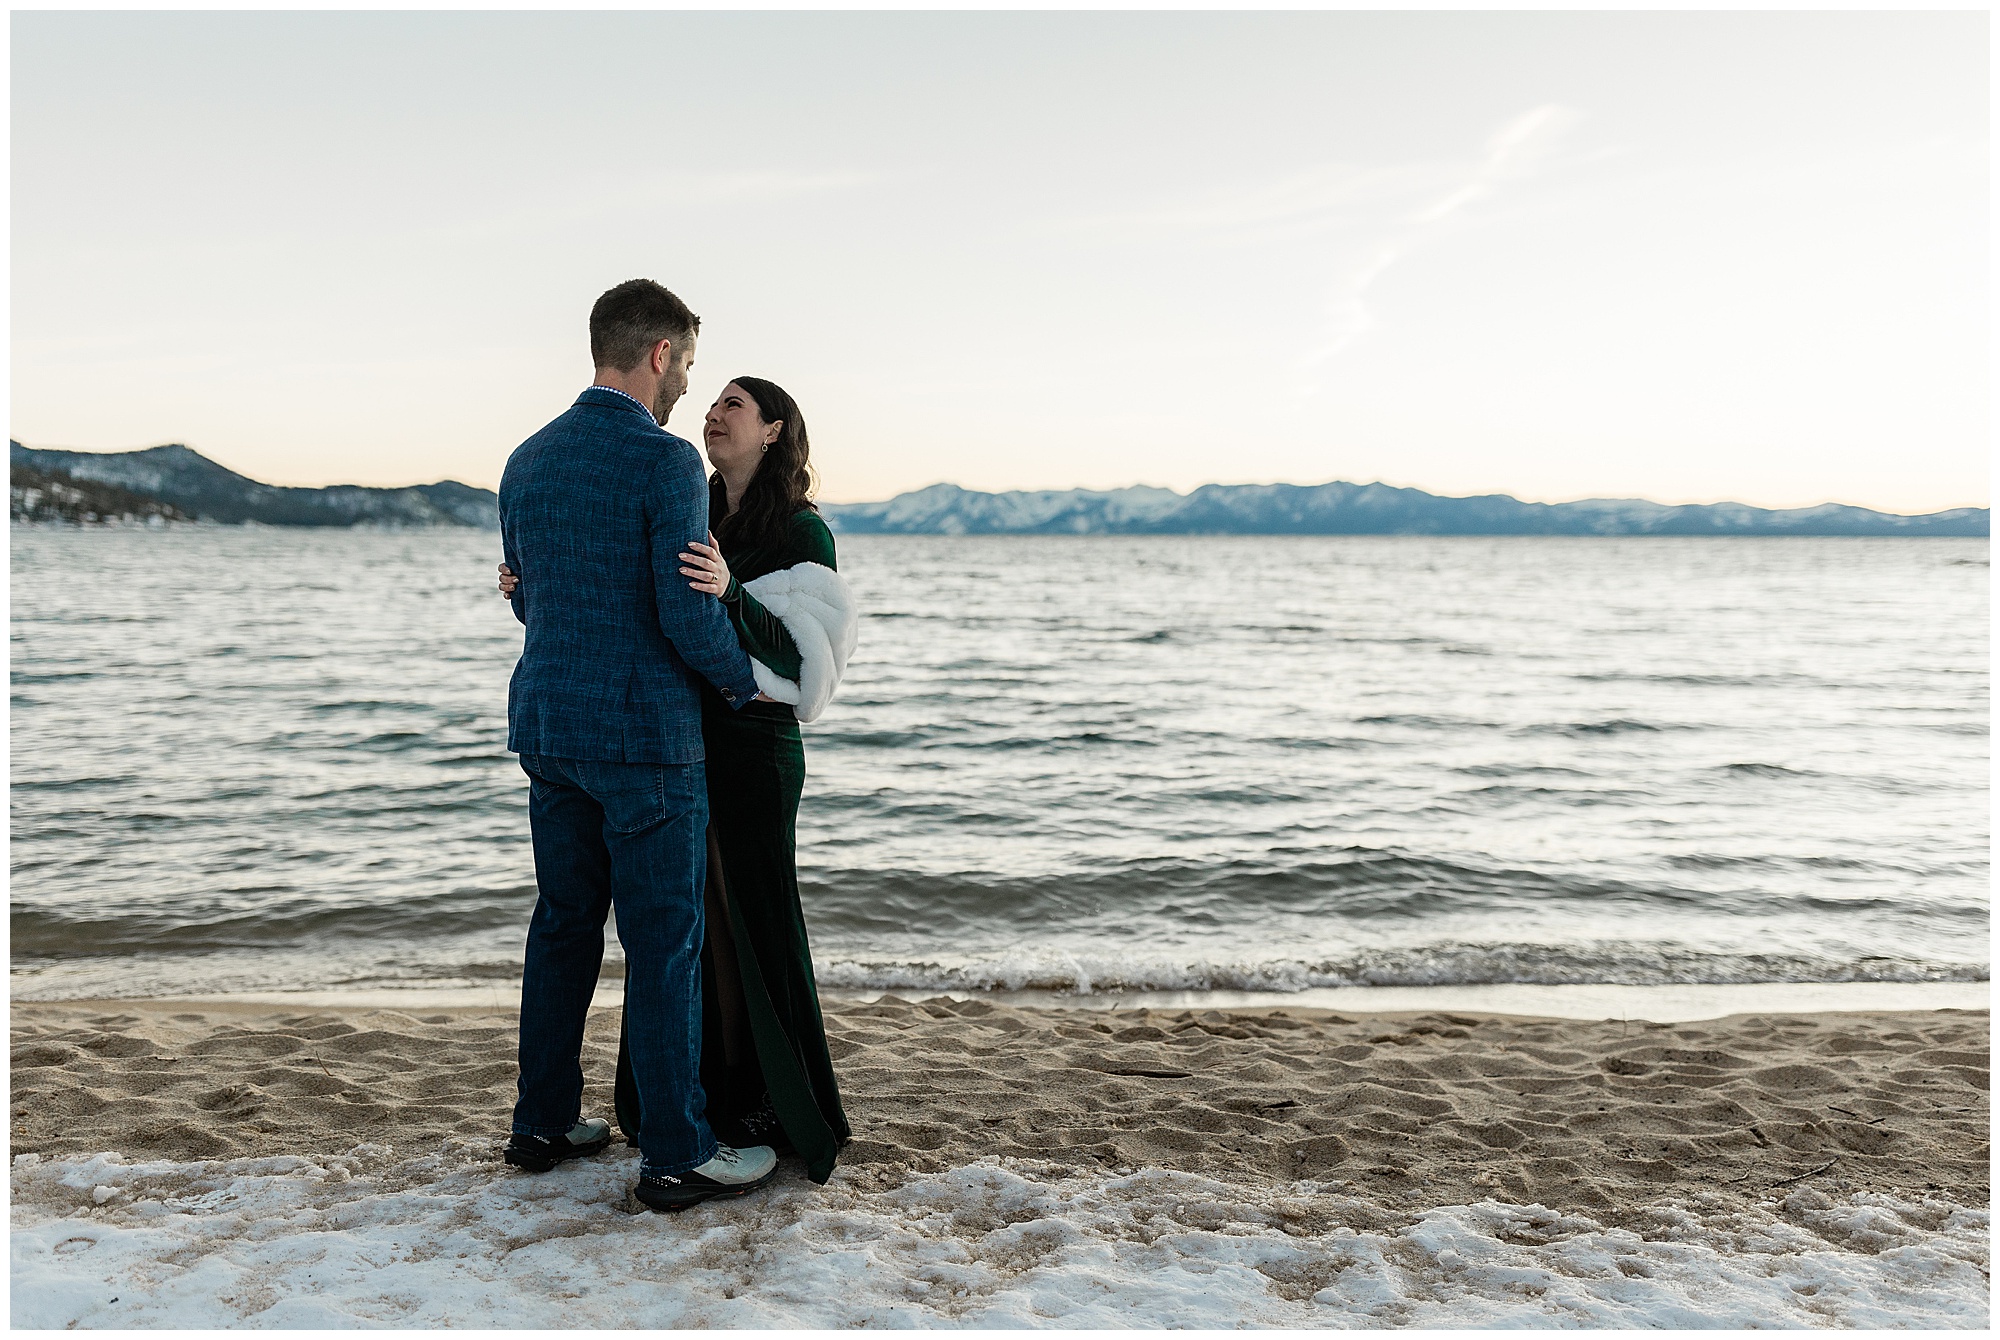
764 1060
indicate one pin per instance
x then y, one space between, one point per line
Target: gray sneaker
731 1172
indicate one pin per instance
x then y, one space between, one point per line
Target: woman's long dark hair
783 484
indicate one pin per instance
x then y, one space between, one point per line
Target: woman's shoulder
811 541
808 521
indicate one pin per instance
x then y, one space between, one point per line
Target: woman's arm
761 632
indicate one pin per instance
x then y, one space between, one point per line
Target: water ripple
256 759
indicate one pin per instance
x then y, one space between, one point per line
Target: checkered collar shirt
600 386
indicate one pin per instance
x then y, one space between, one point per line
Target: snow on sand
1018 1166
452 1239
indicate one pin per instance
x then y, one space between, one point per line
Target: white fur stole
816 607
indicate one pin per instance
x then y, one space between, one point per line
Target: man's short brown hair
630 319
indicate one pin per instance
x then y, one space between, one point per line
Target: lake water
254 760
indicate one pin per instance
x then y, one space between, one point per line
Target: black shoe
732 1172
759 1126
533 1153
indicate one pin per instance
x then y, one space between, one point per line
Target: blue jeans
629 836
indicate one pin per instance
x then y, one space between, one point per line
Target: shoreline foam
1676 1003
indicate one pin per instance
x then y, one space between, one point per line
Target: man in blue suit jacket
595 512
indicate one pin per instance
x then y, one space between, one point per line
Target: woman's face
735 431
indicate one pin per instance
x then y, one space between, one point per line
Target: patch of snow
454 1239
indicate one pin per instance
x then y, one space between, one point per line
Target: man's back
594 512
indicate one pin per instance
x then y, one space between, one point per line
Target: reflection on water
248 759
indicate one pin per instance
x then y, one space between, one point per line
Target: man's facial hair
668 395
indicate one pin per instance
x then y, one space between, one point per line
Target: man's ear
663 353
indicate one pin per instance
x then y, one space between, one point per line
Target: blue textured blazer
594 512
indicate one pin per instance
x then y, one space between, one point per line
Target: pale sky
1679 256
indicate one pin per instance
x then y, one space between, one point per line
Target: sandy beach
1864 1137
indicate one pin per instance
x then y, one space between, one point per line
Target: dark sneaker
732 1172
764 1124
759 1126
533 1153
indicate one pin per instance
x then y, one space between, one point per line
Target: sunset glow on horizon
1687 257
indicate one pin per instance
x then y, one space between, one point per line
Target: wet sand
1401 1111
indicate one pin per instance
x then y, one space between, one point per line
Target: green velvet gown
761 1026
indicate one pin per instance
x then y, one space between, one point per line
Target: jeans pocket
633 795
538 785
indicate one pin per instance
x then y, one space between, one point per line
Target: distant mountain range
175 483
189 483
56 496
1353 509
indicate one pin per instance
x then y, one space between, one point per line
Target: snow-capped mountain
1354 509
187 480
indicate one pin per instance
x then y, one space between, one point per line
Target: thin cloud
1511 153
1344 205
